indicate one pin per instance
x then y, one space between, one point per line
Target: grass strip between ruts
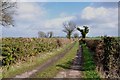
63 63
89 65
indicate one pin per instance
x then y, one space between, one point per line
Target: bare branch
69 28
7 11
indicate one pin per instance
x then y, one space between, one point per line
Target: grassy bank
89 65
62 64
31 63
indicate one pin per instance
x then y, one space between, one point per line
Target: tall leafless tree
69 27
7 10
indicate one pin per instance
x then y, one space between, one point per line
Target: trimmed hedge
107 56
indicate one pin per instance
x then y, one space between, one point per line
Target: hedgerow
19 49
107 56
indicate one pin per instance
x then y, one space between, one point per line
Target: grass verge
62 64
21 67
89 65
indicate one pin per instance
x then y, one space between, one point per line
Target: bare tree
69 28
45 35
41 34
7 10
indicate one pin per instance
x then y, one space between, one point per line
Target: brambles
19 49
111 56
107 56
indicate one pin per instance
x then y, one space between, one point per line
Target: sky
32 17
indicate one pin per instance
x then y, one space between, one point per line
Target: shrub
107 56
19 49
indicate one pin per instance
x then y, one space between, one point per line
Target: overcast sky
31 17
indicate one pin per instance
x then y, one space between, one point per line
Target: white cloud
90 13
30 11
101 15
100 20
27 14
57 22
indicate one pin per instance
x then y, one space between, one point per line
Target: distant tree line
69 28
42 34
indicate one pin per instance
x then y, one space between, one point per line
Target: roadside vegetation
106 56
19 49
89 67
31 62
62 64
